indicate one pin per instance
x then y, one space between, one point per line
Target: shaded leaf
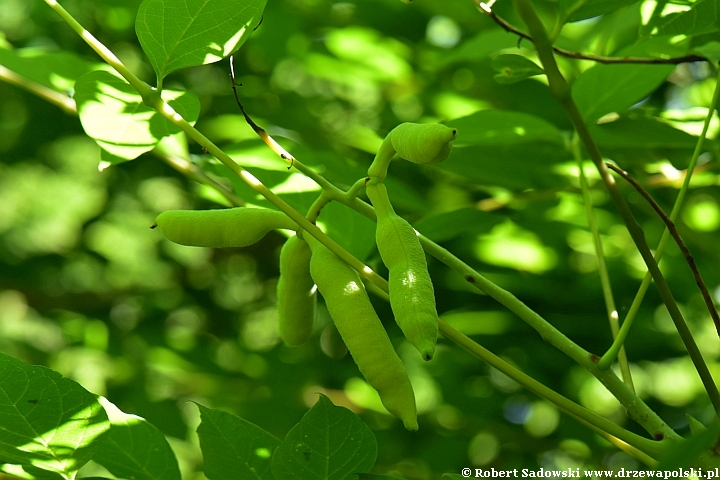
354 232
134 448
47 421
603 89
370 476
481 46
687 452
114 115
182 33
514 68
640 132
329 443
503 127
233 447
448 225
709 50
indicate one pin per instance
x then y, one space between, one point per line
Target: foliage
167 331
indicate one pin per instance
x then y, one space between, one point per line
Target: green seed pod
412 297
417 143
423 143
296 293
363 333
230 227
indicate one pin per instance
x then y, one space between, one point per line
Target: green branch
560 89
612 352
602 266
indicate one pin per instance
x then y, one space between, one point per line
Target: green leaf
576 10
135 449
480 47
233 447
114 115
453 476
514 68
689 451
354 232
448 225
329 443
183 33
57 70
709 50
702 17
603 89
518 167
47 421
640 132
370 476
503 127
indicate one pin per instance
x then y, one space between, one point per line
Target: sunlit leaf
114 115
183 33
503 127
58 70
134 448
575 10
701 17
47 421
514 68
233 447
329 443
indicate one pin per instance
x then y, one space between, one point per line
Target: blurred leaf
182 33
354 232
47 421
701 17
481 46
453 476
370 476
640 132
134 448
58 70
329 443
709 50
445 226
616 87
514 68
523 166
576 10
233 447
688 452
479 322
503 127
114 115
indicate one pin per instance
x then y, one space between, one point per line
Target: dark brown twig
586 56
676 236
274 146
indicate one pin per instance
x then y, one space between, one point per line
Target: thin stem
602 266
678 240
612 352
561 91
505 25
648 446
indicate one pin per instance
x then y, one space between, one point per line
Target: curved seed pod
417 143
296 293
363 333
230 227
423 143
412 296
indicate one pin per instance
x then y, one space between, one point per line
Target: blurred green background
89 290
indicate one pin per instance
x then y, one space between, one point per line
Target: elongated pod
230 227
417 143
362 332
296 293
412 296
